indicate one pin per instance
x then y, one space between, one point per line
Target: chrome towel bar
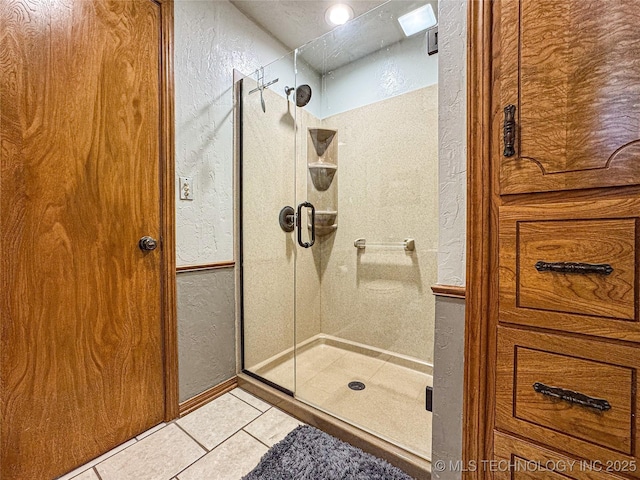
409 244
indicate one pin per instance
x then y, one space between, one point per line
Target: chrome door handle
313 224
147 243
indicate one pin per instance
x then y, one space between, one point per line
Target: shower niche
322 190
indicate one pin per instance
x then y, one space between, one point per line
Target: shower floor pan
392 403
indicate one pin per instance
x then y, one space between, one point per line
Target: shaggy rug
309 454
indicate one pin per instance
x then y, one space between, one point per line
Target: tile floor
392 405
223 440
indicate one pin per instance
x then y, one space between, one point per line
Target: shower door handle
313 224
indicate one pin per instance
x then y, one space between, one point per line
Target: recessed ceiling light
418 20
338 14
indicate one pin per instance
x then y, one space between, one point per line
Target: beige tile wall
268 141
388 174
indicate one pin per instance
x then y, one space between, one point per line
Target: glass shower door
268 251
367 159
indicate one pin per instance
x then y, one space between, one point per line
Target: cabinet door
571 69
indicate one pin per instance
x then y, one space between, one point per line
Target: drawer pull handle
572 397
574 267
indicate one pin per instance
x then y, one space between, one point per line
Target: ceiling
297 22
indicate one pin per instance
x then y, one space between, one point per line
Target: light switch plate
186 188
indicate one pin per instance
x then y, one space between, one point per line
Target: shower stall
337 151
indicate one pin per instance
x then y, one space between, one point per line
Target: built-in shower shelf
325 222
322 174
325 218
321 138
322 230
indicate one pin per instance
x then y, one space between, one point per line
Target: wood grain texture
169 288
610 429
572 72
598 369
477 423
602 231
512 452
604 242
82 156
205 397
453 291
577 157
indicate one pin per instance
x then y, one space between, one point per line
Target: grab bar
409 244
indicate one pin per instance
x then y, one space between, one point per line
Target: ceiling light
418 20
338 14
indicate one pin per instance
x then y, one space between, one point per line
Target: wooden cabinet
564 217
571 69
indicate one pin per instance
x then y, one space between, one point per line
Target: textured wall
453 148
211 39
388 179
448 386
449 328
206 348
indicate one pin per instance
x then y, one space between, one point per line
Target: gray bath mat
309 454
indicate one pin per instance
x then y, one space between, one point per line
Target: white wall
397 69
453 142
450 313
211 39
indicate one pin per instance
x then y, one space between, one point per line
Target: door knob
147 244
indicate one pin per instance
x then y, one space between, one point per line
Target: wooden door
572 72
80 138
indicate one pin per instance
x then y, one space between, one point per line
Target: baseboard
205 397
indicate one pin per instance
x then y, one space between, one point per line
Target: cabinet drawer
572 394
571 267
516 459
602 253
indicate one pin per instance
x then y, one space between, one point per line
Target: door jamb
477 443
168 216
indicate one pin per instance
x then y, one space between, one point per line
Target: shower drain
356 385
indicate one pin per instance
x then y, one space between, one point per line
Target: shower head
302 96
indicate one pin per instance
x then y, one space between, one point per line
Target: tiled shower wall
271 277
388 182
387 191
